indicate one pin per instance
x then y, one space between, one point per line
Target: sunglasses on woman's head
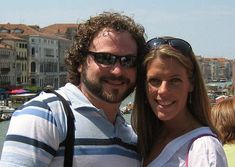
179 44
108 59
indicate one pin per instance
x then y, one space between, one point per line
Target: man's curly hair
86 32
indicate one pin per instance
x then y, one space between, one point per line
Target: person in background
102 66
171 109
223 118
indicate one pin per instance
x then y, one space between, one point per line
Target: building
65 34
7 65
43 60
233 73
67 31
19 45
39 53
215 69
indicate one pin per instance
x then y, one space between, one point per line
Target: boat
127 109
5 116
6 109
6 113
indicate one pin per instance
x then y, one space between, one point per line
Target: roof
58 28
7 36
5 46
26 30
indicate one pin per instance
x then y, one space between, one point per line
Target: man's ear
79 68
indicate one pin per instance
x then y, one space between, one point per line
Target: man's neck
110 109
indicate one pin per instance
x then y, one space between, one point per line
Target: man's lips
115 82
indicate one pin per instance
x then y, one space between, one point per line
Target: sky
208 25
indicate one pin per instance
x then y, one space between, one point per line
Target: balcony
5 70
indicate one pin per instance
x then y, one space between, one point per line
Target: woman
223 118
171 110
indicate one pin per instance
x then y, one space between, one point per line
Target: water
4 124
3 130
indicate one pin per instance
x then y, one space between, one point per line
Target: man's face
109 83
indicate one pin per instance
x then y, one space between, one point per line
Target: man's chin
112 99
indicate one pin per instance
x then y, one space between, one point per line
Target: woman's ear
191 88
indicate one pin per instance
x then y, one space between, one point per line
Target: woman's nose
162 88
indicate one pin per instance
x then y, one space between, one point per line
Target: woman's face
168 86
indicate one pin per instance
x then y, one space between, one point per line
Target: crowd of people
172 122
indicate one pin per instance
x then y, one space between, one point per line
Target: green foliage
33 88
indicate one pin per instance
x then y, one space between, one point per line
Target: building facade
36 55
215 69
19 45
43 61
7 65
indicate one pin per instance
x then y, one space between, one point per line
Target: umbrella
17 91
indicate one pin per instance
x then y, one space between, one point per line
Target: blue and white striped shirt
38 128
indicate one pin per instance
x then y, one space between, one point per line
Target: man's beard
97 88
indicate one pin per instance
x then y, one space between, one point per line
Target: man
102 67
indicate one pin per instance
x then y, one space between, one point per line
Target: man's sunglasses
108 59
179 44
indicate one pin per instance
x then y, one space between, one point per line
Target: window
5 30
33 67
33 51
18 31
33 81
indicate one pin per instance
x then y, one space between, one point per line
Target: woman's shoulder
205 139
209 148
207 142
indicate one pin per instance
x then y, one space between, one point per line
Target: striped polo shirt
38 128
